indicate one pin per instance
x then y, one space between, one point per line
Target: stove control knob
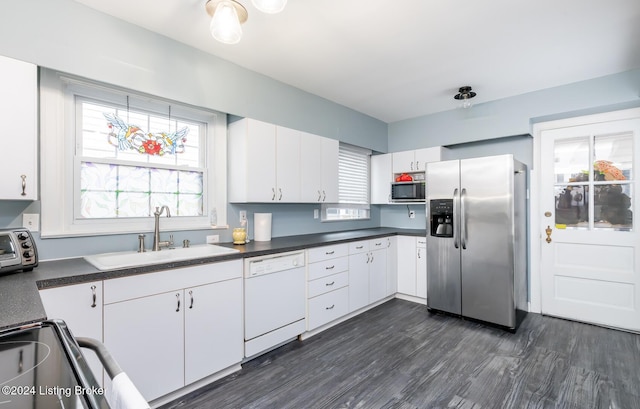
26 244
27 254
22 236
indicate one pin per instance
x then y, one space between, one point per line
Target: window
353 185
130 161
118 154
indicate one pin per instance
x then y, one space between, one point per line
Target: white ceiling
401 59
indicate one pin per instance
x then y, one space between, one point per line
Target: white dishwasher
274 301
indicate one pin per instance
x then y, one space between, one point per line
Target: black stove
42 367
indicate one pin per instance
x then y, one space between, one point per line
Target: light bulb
269 6
225 25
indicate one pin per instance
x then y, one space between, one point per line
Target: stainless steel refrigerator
476 239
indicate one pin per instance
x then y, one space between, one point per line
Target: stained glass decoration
131 137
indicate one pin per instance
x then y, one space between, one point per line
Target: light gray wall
515 115
67 36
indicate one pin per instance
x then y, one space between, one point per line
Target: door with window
590 241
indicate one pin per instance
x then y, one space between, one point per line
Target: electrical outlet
412 214
316 213
214 238
243 215
31 221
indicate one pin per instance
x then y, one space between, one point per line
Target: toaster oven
17 251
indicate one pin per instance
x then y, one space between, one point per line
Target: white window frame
345 209
57 157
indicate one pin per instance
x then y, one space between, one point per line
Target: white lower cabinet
213 328
421 267
367 272
392 265
407 265
80 307
174 327
327 284
412 266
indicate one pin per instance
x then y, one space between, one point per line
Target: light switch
31 221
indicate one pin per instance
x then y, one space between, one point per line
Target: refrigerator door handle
456 199
463 219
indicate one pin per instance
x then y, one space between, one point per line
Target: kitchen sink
124 259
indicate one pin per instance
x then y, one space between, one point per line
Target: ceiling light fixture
228 15
465 94
269 6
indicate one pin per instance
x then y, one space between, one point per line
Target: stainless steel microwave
408 191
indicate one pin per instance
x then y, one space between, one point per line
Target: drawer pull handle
329 252
359 247
93 296
330 308
330 284
379 244
330 267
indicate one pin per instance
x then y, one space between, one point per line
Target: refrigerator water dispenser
441 221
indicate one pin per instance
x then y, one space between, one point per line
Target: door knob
548 231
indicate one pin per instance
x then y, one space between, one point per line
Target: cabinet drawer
326 284
328 307
327 252
328 267
142 285
358 247
421 242
378 244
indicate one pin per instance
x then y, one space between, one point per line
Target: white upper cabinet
416 160
381 176
269 163
264 162
18 115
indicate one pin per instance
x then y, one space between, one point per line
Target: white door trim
535 234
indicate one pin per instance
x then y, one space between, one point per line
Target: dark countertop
20 301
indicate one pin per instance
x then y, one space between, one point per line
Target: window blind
353 174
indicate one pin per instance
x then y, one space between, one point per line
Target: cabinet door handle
319 195
417 165
330 267
330 284
21 362
280 197
191 295
372 257
273 193
24 185
368 258
324 196
330 308
419 256
178 298
411 165
93 296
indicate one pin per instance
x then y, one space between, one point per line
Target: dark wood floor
398 355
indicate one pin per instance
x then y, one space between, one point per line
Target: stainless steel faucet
157 244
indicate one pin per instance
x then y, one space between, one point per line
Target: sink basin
124 259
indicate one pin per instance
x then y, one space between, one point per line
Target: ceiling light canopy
465 94
269 6
228 15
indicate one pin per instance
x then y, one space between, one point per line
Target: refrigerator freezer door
487 237
443 256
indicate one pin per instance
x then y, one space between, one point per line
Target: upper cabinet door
287 165
330 151
311 171
403 162
18 115
424 156
381 178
